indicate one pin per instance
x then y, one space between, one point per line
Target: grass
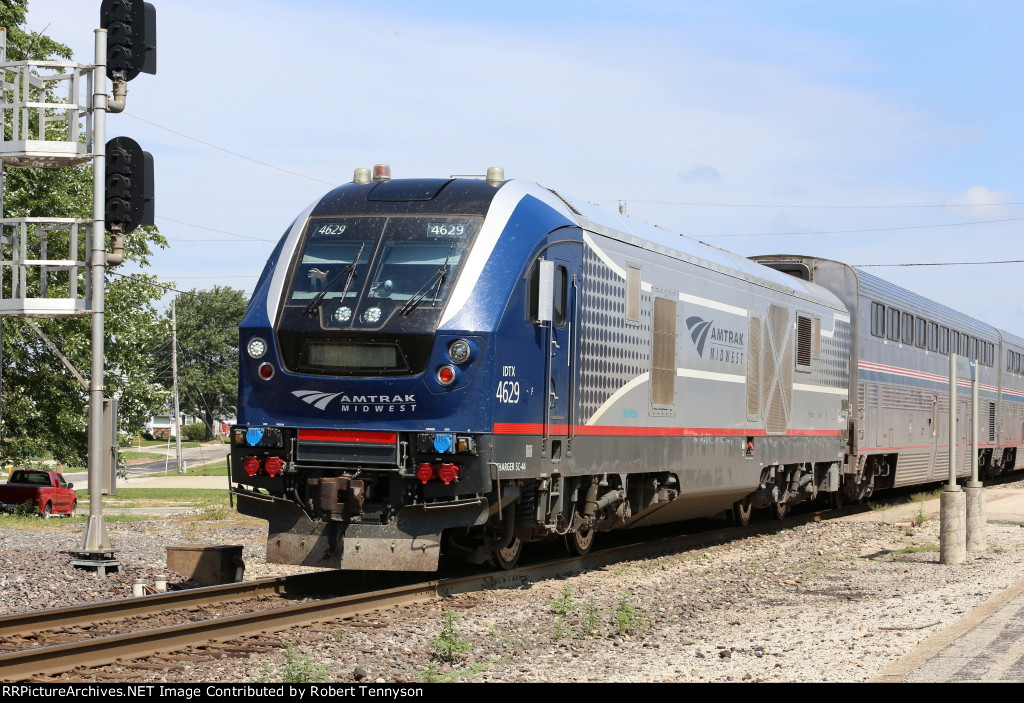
145 497
217 468
590 619
33 522
450 646
629 618
433 674
164 443
894 554
508 641
135 457
296 668
564 604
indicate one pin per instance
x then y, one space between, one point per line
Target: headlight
342 314
257 347
459 351
371 315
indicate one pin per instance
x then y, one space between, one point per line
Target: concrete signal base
952 526
976 522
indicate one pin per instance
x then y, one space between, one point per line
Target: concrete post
952 526
975 491
976 520
952 501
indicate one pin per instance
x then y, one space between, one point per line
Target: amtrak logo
699 331
721 344
359 403
315 398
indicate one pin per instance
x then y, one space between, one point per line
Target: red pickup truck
47 491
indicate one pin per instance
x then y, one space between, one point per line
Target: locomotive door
934 423
562 343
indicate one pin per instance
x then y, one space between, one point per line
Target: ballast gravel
836 600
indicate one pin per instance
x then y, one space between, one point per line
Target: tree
208 351
44 408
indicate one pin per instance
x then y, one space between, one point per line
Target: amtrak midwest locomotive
468 365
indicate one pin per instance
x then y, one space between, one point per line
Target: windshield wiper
315 303
434 282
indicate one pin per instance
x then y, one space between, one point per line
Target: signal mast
54 267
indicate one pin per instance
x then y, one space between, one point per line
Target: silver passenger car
899 381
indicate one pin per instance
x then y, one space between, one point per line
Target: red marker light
446 375
448 473
251 465
273 465
266 371
425 472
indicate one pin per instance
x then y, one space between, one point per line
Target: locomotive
467 365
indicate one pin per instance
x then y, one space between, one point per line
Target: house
162 426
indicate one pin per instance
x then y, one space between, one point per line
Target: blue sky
692 112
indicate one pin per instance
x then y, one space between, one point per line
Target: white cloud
980 203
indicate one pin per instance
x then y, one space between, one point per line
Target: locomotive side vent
777 379
754 369
803 340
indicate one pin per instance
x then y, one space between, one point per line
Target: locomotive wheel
579 542
741 512
508 557
780 510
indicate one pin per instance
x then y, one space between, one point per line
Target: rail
97 652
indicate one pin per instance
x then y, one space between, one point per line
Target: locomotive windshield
401 264
331 246
367 277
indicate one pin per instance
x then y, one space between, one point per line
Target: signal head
131 37
129 192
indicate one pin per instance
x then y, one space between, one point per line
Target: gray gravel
829 601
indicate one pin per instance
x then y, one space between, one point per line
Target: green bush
450 646
196 432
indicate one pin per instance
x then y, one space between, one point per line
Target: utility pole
174 379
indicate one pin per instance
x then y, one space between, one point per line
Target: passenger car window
878 319
893 332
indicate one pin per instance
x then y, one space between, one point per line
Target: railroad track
48 653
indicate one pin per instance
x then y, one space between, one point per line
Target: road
192 457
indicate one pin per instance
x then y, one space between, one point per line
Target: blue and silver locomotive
469 365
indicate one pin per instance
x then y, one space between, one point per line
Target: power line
211 229
944 263
817 207
228 151
135 278
171 289
871 229
658 202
